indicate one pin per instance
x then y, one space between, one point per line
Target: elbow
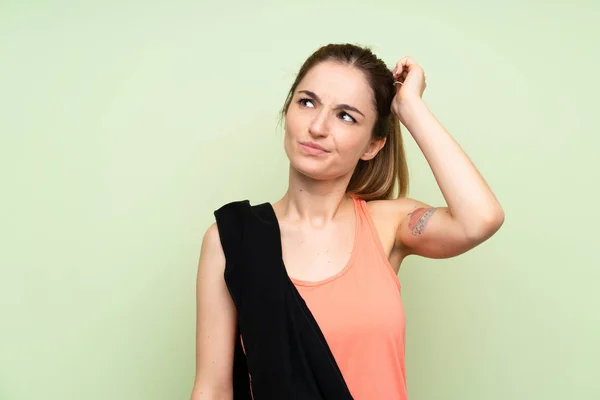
487 225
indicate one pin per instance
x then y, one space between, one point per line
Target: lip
313 148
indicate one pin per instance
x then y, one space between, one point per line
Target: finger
408 61
399 66
401 77
405 64
410 64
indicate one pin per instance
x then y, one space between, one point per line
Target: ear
374 146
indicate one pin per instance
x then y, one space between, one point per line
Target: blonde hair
378 178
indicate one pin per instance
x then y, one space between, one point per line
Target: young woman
300 299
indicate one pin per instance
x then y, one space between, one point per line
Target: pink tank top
360 313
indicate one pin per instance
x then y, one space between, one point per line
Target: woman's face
329 123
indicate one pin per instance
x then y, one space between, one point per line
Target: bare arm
473 214
471 203
433 232
215 324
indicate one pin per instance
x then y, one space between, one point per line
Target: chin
312 173
313 168
316 168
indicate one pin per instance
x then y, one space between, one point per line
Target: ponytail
386 173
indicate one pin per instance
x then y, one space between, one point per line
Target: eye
348 117
303 102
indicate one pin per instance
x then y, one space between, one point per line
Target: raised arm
215 324
473 214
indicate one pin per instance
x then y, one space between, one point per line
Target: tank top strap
363 228
369 238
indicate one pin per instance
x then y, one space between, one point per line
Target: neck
315 201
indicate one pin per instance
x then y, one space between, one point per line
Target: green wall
124 124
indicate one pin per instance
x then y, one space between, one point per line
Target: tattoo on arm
418 219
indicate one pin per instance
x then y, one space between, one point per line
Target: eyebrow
340 106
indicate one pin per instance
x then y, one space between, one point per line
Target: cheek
288 129
293 123
289 135
352 145
293 130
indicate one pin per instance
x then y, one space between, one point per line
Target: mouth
313 148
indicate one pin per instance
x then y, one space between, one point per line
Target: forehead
339 84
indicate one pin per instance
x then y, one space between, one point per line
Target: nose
319 125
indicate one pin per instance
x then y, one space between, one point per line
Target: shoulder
233 206
234 221
211 235
211 241
225 216
240 207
